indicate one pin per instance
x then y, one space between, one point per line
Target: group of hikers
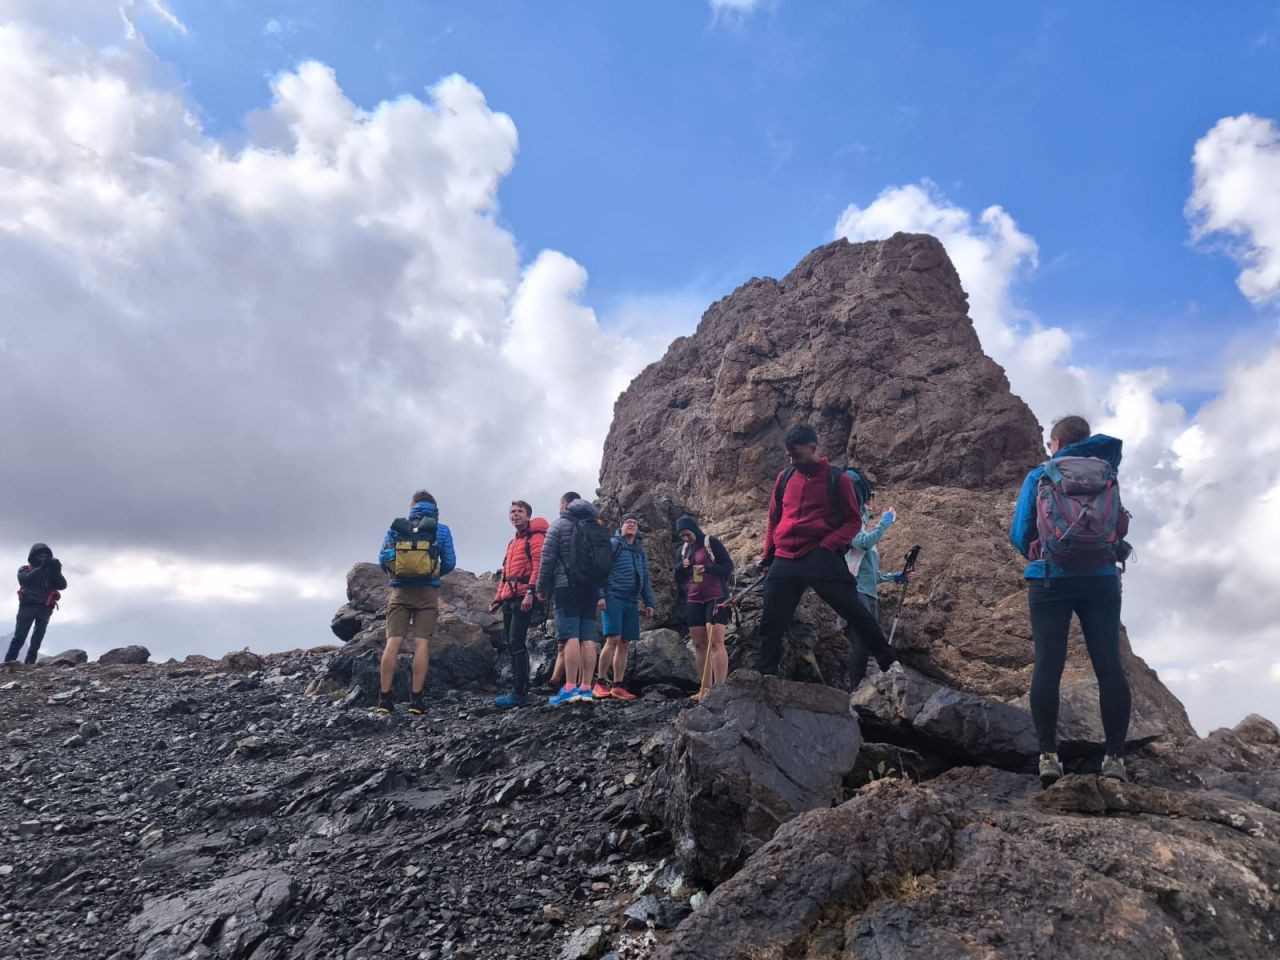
1069 523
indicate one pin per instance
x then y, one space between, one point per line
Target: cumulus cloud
1200 602
1237 196
238 362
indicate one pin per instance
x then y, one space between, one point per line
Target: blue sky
670 152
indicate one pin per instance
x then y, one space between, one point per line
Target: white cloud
1237 194
233 365
1200 603
737 10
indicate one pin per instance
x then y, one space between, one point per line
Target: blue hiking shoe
584 694
566 695
510 700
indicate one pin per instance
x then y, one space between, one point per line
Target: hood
582 510
1099 445
690 524
424 509
38 548
536 525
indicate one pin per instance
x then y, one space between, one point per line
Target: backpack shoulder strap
780 491
833 493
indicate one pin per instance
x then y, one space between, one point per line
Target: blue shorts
622 618
575 615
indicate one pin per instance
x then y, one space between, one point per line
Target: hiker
702 571
417 551
40 586
863 561
574 569
516 596
628 585
813 517
1073 555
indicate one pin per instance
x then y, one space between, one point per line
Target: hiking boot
1050 769
584 694
385 704
619 692
566 695
510 700
418 703
601 692
1113 768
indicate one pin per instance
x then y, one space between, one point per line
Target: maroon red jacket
806 521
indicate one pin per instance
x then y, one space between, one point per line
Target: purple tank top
711 587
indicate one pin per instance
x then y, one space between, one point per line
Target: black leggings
1096 601
827 573
29 614
515 627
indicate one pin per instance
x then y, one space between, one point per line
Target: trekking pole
908 565
735 599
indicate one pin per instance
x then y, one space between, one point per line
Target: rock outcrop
872 344
132 654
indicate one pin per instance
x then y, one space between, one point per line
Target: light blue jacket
444 541
868 572
1022 533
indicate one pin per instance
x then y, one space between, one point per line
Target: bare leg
421 658
719 668
557 672
607 657
572 662
590 653
699 637
390 656
620 650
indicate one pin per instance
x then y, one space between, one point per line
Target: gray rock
225 921
662 657
161 787
130 654
67 658
368 588
756 752
586 943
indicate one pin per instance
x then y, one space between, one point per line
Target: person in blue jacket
414 604
863 560
1054 594
628 586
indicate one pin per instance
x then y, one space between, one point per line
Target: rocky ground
217 810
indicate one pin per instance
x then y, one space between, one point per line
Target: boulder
67 658
129 654
756 752
461 657
240 661
978 863
224 921
873 345
662 657
368 588
347 622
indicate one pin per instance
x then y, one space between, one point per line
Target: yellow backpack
416 553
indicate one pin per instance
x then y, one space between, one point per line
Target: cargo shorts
413 608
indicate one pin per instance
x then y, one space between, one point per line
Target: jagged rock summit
872 344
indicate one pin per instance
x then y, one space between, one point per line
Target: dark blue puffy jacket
629 575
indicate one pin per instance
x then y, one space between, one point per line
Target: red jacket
806 521
520 565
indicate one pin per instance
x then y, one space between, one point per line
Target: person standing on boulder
517 595
628 586
575 599
813 517
863 561
40 583
702 571
1073 569
417 551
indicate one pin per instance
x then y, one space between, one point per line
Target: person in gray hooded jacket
575 607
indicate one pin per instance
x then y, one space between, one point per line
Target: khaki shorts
415 607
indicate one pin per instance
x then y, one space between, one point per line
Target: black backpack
590 555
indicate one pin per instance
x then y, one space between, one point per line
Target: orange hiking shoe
622 693
601 692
